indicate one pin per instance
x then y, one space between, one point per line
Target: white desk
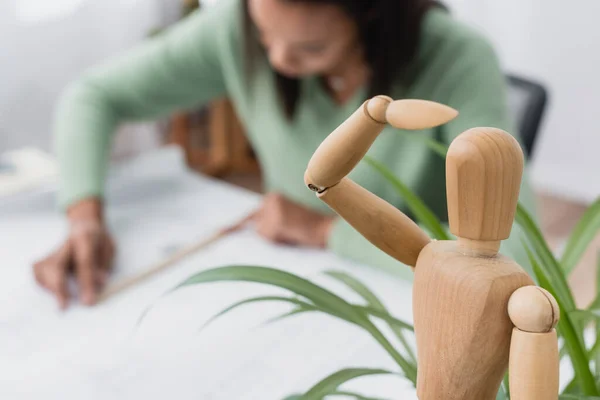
97 353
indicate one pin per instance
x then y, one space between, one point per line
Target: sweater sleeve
476 87
178 69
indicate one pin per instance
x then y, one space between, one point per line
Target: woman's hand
88 253
283 221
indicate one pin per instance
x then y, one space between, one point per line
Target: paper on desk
97 353
24 169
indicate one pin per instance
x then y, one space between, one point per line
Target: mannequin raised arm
381 223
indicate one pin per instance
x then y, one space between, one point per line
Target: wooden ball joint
534 359
464 291
533 309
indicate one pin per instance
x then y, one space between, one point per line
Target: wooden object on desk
461 288
223 147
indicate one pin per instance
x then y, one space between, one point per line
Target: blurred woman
294 70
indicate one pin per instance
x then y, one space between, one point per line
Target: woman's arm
179 69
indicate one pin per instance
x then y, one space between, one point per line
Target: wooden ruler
120 286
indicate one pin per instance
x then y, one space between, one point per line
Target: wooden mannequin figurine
473 308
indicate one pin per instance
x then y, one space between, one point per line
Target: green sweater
200 59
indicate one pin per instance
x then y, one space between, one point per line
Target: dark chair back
527 103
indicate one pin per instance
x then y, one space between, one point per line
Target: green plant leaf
409 368
584 232
585 315
573 387
549 265
598 276
307 307
261 299
576 349
595 304
417 207
295 311
320 297
358 287
437 147
503 393
330 384
594 307
577 397
355 395
595 355
562 352
374 302
375 306
385 316
595 349
368 311
552 270
410 371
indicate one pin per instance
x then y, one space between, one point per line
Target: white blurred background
556 42
44 44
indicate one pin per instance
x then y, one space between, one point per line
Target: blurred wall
553 41
45 44
558 43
